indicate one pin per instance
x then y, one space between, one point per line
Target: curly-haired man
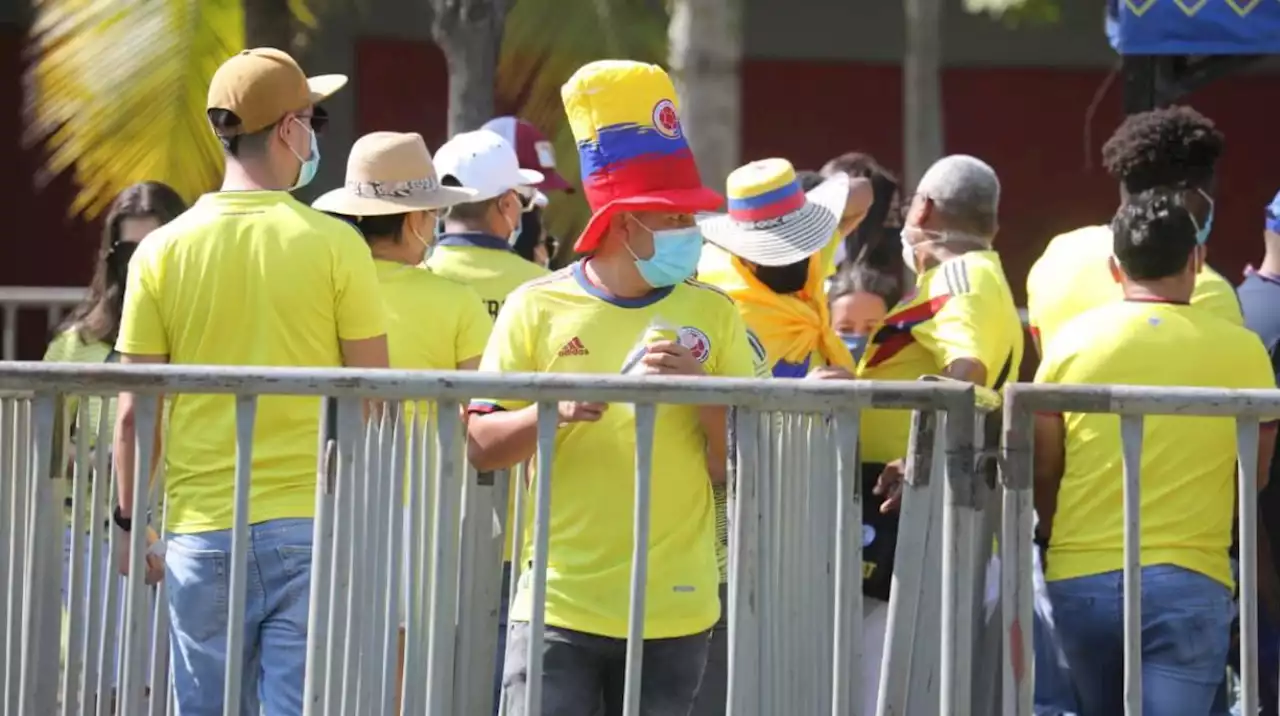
1172 148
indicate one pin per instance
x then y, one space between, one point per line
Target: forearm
713 420
123 445
502 438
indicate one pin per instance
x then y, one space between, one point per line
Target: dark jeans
714 693
504 608
581 672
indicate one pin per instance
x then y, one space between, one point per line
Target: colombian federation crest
666 120
696 341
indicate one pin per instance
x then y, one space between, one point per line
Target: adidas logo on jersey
574 348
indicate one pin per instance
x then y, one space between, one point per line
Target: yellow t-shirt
565 324
1188 463
433 323
69 347
961 308
485 263
249 278
1072 276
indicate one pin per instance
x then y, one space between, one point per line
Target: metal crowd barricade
1249 408
54 300
406 539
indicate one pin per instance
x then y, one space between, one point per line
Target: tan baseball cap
264 84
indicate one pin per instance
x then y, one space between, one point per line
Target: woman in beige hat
393 195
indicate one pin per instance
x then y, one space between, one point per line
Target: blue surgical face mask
857 344
675 256
1202 232
311 164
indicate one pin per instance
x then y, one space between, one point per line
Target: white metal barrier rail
1132 403
778 621
54 300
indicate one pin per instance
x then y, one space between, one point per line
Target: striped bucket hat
771 221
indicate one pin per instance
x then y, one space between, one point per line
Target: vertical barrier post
394 510
37 685
130 689
645 418
960 525
548 419
246 412
1016 594
1131 438
77 608
448 495
1247 451
321 560
744 573
846 657
349 438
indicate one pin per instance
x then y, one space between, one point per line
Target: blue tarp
1194 27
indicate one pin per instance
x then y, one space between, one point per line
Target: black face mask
118 260
784 279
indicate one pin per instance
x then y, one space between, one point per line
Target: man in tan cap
247 276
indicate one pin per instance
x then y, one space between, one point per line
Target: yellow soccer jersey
247 278
565 324
432 323
962 308
1072 276
1188 463
485 263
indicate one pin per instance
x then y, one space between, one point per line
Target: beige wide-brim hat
391 173
771 222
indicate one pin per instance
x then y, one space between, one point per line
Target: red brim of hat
552 181
676 201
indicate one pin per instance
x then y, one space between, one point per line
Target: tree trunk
922 88
470 34
705 56
268 23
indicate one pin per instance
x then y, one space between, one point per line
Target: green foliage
1017 13
117 91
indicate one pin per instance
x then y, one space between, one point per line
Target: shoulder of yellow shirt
959 276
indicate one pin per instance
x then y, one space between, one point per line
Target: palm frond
116 91
544 43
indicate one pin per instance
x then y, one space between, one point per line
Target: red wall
42 245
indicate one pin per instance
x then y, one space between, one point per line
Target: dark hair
97 318
861 278
1174 147
871 244
473 211
387 226
808 179
530 233
1155 234
226 128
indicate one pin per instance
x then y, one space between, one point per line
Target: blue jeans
278 591
1186 621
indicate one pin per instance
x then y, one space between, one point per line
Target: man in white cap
248 276
534 151
477 244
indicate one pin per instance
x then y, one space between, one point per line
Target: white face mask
938 237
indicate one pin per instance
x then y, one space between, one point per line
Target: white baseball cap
483 161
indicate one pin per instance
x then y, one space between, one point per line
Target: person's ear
1117 274
1197 260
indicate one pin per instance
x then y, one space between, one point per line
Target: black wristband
124 523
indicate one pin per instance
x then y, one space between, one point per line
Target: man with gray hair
959 322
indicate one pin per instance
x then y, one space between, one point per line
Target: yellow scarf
791 327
